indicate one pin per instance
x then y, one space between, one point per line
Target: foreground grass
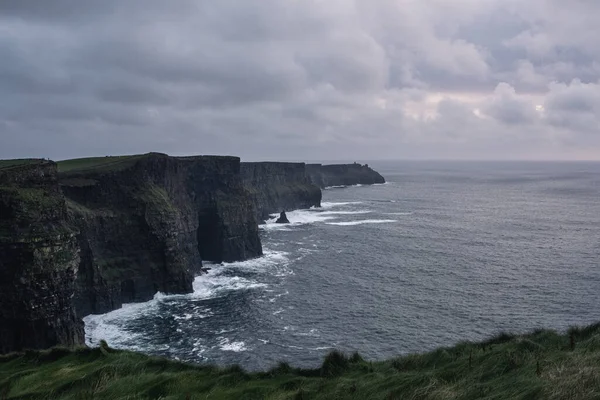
541 365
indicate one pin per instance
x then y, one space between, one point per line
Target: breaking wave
364 221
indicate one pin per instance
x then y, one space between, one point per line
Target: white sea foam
226 345
112 326
312 216
206 286
357 212
273 299
312 333
364 221
108 326
297 217
184 317
344 186
219 280
399 213
331 204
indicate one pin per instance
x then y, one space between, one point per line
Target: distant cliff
342 175
147 222
38 259
278 186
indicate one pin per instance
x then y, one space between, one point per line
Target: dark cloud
296 79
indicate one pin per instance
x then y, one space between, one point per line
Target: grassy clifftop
540 365
98 164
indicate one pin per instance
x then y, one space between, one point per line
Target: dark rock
342 175
283 219
147 225
275 186
38 260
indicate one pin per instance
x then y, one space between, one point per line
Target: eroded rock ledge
342 175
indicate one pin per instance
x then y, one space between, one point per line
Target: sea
443 252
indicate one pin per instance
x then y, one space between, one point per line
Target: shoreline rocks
283 219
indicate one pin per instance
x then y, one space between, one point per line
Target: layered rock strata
39 259
147 223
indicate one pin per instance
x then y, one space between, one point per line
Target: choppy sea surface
444 252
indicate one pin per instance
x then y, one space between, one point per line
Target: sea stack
283 219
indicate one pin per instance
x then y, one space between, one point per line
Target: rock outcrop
276 186
147 222
283 219
342 175
39 259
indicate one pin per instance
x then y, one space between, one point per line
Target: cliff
87 235
342 175
147 222
278 186
95 233
38 259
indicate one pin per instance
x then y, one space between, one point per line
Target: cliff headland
342 175
84 236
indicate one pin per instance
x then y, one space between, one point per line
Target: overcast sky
301 79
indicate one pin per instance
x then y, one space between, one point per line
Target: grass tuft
335 364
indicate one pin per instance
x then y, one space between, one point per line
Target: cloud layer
301 79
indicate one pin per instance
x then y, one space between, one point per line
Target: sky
301 79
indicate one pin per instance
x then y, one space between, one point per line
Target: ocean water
444 252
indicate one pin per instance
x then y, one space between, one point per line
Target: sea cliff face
39 259
278 186
342 175
85 236
93 234
146 223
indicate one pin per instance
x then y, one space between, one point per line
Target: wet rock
283 219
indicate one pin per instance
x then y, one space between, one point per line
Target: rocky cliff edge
342 175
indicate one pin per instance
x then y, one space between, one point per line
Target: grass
98 164
19 162
30 205
540 365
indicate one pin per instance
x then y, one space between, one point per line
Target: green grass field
19 162
540 365
100 164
